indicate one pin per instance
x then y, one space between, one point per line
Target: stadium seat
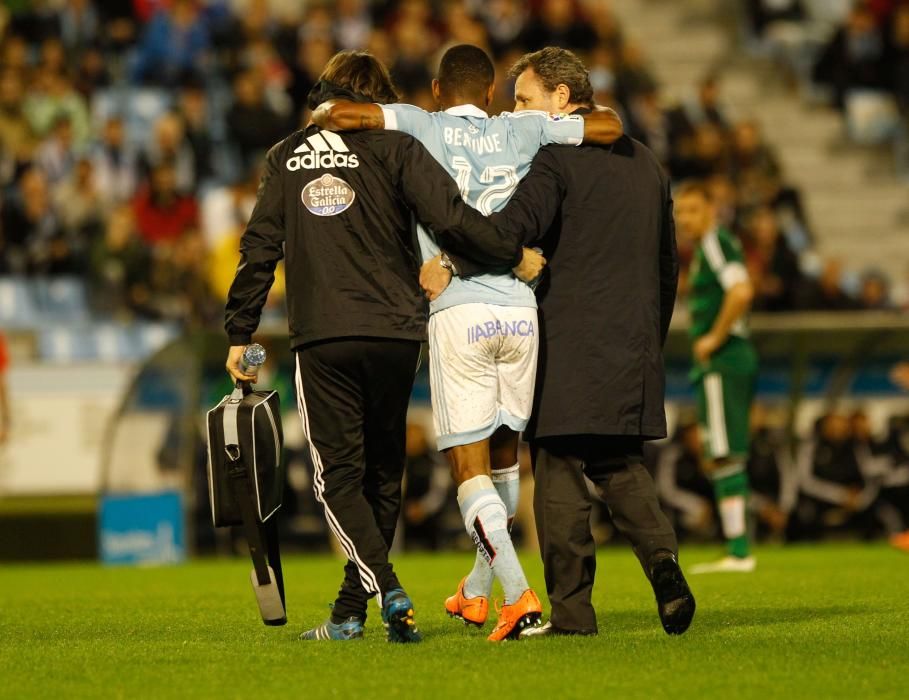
61 299
17 304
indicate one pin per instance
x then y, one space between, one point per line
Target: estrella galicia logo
323 149
328 195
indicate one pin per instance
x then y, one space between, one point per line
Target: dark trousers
562 505
353 395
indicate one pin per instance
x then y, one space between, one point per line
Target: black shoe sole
402 629
558 632
675 602
529 620
467 623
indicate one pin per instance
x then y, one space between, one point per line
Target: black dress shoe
675 602
550 630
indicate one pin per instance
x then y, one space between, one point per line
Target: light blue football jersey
487 157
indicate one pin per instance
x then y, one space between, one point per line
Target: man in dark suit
603 218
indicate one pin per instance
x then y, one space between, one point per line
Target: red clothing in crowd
4 354
159 224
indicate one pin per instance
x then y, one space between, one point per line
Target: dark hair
362 73
554 67
692 187
466 70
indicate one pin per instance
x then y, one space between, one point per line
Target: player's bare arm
344 115
736 303
603 126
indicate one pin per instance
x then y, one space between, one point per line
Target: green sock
730 484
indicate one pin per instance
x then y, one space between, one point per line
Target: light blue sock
508 484
486 519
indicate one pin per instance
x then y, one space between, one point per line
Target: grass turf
825 621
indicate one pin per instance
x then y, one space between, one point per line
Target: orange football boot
523 613
472 611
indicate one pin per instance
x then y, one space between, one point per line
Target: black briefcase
246 483
254 420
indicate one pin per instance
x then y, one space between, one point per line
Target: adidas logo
324 149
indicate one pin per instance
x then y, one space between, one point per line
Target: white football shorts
482 369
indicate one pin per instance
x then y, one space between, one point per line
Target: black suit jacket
603 218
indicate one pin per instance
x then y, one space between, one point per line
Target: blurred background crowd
131 132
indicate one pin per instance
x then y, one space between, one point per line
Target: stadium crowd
131 135
851 54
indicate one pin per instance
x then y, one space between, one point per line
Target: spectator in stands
428 490
686 119
774 483
179 283
725 199
352 24
79 25
169 145
114 162
254 126
79 203
414 44
854 56
56 155
764 14
92 72
899 438
706 107
174 44
51 96
685 492
601 68
163 212
311 58
828 293
5 420
890 469
709 155
462 27
53 58
119 279
17 139
559 23
633 75
15 52
649 124
897 59
772 265
505 22
193 109
836 493
751 154
34 240
875 291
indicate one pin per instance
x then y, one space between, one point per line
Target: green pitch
828 621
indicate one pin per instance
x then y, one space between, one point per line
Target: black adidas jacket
339 209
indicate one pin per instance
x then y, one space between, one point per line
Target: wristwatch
446 262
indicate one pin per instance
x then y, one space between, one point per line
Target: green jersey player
725 364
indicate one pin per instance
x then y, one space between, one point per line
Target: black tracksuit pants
352 395
562 508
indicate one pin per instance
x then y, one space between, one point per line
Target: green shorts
724 403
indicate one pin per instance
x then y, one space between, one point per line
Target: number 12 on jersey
501 180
